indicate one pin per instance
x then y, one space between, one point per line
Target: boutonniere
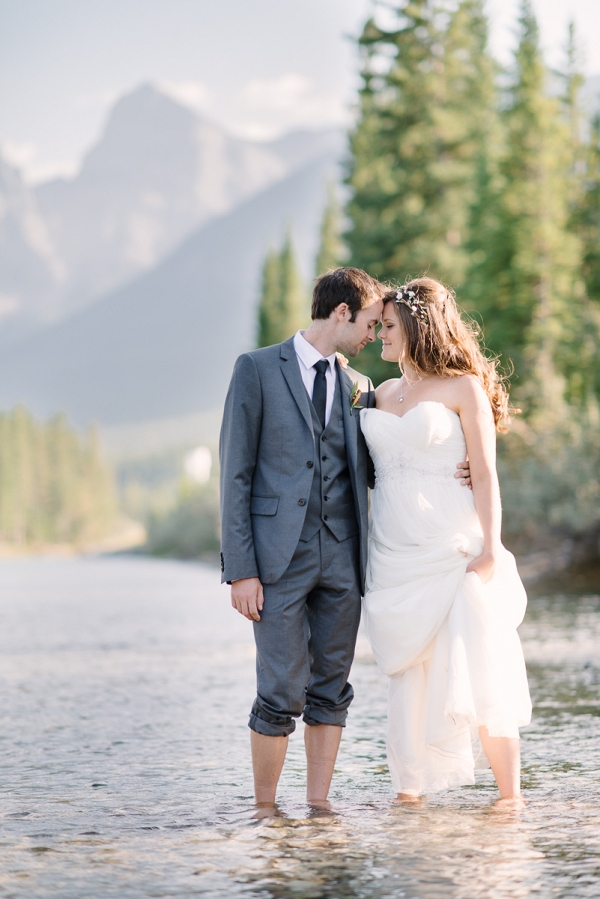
355 397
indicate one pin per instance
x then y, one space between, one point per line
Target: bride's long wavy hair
440 341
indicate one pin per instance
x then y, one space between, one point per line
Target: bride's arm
480 434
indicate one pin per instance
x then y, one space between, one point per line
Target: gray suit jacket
267 455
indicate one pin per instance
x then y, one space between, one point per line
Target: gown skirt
447 641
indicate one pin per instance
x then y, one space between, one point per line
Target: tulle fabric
447 641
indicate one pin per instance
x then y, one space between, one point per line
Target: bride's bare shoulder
386 388
468 387
470 395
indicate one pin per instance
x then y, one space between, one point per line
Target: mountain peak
148 100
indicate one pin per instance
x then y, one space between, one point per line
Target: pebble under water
124 762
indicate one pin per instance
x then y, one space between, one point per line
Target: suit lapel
291 372
350 420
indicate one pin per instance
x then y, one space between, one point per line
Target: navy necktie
319 397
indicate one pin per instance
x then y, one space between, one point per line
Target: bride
443 595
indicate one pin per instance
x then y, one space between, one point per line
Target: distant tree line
55 486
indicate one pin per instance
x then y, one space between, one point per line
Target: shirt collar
308 354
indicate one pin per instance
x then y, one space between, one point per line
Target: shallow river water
124 769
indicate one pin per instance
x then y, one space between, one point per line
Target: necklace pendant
401 399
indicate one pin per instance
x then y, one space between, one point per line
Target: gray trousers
306 636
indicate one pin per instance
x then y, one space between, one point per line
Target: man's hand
247 597
464 472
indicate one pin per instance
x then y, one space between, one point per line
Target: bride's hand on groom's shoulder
247 597
342 360
483 566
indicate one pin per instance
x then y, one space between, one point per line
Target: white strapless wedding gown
448 642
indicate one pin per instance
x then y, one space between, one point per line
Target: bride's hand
484 566
342 360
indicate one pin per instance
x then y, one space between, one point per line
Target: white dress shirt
307 356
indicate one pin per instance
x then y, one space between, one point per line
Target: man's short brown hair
344 285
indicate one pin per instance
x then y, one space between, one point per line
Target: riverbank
559 569
126 536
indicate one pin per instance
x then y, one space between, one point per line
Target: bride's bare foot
510 802
408 797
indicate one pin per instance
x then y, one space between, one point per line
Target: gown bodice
427 440
417 498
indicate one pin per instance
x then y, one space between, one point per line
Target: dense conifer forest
489 180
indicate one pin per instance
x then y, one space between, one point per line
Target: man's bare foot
408 797
266 810
320 808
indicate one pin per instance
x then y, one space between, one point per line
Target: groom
294 469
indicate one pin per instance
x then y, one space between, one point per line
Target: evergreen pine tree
331 249
571 98
268 309
426 114
529 300
294 303
589 215
414 151
583 369
283 305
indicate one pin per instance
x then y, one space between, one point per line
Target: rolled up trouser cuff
315 714
271 729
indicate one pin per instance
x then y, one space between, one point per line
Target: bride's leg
504 756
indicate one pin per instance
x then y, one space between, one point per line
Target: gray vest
331 501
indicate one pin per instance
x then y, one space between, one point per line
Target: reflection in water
428 852
124 768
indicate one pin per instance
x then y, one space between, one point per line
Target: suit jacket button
324 458
324 517
326 478
301 502
309 465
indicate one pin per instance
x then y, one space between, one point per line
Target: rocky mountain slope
158 172
31 273
163 345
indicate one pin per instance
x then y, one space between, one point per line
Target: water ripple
124 766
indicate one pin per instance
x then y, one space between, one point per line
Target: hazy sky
258 66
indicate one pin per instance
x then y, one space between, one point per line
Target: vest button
301 502
323 458
326 478
323 437
325 498
324 517
309 465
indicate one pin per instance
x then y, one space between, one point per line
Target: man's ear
341 312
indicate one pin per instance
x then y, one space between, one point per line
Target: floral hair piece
410 299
